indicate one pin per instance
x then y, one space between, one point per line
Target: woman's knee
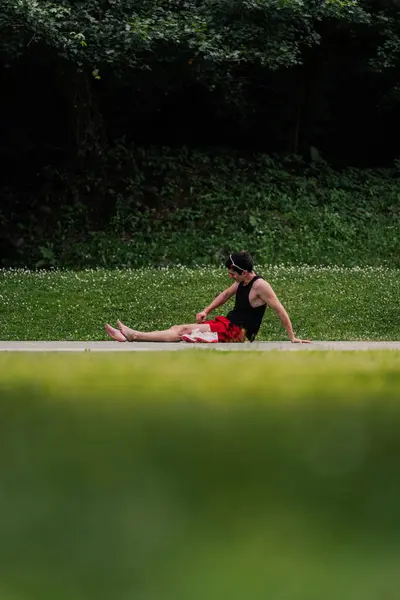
178 329
181 329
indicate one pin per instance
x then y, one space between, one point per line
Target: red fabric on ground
227 331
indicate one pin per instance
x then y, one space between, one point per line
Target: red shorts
227 331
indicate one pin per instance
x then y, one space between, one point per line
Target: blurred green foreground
200 475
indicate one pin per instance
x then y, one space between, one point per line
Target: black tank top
244 314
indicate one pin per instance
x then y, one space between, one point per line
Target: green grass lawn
330 303
192 476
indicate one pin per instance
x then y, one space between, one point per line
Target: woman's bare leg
174 334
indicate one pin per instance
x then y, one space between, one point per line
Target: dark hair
242 260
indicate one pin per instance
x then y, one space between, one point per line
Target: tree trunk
87 132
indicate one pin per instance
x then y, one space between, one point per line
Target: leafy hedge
160 206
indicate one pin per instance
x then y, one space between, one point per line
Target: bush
159 206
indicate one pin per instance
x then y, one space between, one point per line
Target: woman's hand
201 316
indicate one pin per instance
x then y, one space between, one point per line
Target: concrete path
151 346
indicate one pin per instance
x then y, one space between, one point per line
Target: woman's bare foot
129 334
115 334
